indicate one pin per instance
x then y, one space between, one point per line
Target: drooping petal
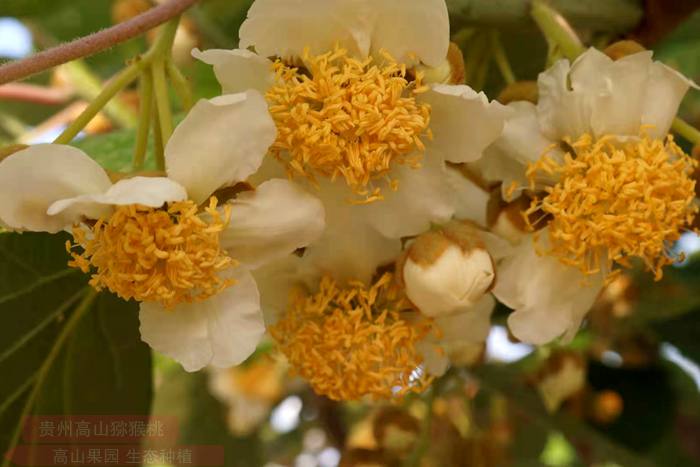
238 70
221 331
462 336
520 144
422 197
271 222
277 279
411 31
220 142
463 121
349 248
34 178
147 191
470 199
664 93
550 299
286 27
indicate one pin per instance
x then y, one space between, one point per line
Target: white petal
238 70
277 279
472 324
221 141
664 93
463 121
34 178
422 197
286 27
561 111
349 248
470 200
146 191
621 86
271 222
419 29
462 337
596 95
221 331
520 144
550 299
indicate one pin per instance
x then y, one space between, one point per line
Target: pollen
342 117
617 200
350 342
169 255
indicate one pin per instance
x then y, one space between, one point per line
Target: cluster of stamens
350 342
340 116
615 200
169 255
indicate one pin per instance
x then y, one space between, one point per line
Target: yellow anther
615 200
168 255
343 117
352 342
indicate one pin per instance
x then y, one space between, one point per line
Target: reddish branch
94 43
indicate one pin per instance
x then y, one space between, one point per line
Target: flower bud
447 270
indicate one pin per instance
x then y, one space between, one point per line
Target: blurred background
624 393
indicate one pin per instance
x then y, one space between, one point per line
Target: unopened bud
519 91
620 49
447 270
451 71
607 407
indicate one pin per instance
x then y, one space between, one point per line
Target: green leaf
113 151
63 348
202 418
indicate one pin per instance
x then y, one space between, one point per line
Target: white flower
601 184
374 133
199 302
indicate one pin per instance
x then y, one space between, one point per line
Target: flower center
616 200
169 255
340 116
351 342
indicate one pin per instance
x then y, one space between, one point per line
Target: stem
89 86
121 81
180 84
158 148
43 371
160 88
146 104
94 43
556 30
414 460
686 130
501 59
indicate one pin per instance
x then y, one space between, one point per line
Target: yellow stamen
344 117
168 255
617 200
352 342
